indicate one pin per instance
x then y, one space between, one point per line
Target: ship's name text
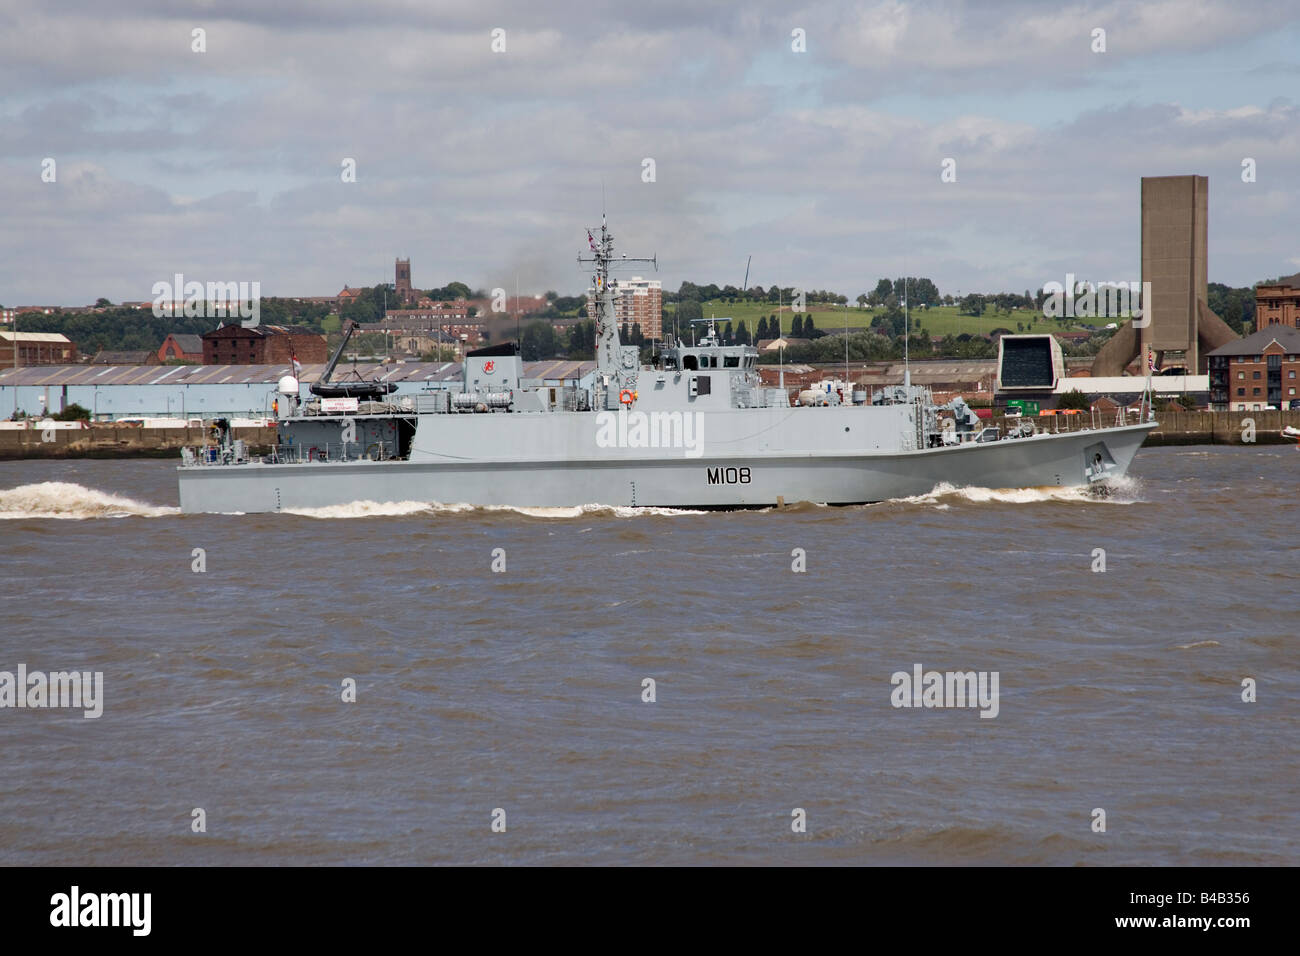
728 476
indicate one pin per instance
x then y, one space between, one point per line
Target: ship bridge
709 353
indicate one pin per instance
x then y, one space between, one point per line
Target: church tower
404 291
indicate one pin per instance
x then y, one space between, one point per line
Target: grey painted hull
753 473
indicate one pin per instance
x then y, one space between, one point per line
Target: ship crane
324 388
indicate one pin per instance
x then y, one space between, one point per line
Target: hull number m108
728 476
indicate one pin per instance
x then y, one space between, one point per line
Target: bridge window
690 363
731 361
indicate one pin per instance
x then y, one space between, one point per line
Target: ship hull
665 478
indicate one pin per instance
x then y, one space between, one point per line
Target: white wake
378 509
1121 491
62 499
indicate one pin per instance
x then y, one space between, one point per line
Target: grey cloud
479 166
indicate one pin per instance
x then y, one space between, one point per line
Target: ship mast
907 337
615 369
907 321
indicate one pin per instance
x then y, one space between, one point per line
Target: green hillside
939 320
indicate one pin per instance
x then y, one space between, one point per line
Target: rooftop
139 357
1292 282
36 337
1256 342
188 343
262 374
262 330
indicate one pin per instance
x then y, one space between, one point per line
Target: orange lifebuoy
625 397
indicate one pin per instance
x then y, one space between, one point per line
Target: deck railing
292 454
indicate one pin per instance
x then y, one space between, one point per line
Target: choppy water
522 690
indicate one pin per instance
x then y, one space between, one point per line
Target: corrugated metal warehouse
211 391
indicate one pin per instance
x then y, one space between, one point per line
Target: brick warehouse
263 345
36 348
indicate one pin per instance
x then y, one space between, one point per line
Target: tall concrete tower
1175 243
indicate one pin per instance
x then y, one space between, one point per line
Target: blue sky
823 165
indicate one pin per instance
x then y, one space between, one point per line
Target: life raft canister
625 397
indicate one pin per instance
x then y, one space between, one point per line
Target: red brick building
1256 372
1279 303
181 347
263 345
346 298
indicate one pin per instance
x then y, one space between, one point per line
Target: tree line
123 328
127 328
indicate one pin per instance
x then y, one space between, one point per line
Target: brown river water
479 691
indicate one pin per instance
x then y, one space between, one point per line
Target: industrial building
230 391
263 345
36 348
1028 363
1032 367
1177 324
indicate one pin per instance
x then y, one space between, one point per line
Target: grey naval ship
697 429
